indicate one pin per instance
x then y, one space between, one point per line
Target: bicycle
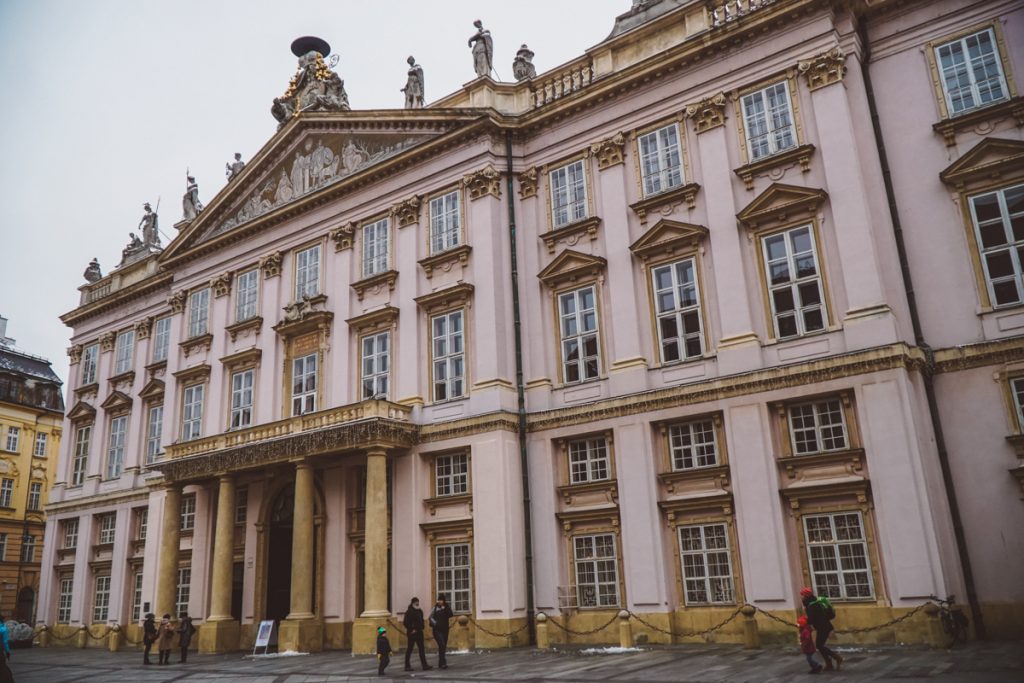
954 621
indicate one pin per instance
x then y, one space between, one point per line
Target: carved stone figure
314 87
284 192
135 245
93 272
352 157
190 204
150 226
483 49
233 169
522 65
297 310
323 164
414 85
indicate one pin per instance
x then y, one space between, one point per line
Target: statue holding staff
483 49
414 85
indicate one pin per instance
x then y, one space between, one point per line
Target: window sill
775 341
794 155
127 377
673 477
377 281
200 343
448 501
676 195
446 260
90 388
950 126
608 487
568 233
253 324
851 458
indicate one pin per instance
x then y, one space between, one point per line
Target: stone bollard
462 637
625 630
543 639
44 636
935 636
114 638
82 637
751 636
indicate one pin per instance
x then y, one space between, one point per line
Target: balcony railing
573 78
726 12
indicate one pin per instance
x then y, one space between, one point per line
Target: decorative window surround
667 238
196 344
528 181
486 181
972 120
387 278
305 316
666 202
707 114
781 203
343 236
794 155
457 295
1001 62
570 267
610 151
446 260
253 325
824 69
271 264
406 212
571 233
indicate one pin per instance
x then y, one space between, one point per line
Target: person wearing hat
440 617
413 623
148 636
166 639
820 614
383 650
807 644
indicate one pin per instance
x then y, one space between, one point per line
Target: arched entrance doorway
279 555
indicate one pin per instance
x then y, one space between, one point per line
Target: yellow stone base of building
218 637
364 635
300 635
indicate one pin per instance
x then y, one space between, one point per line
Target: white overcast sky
105 103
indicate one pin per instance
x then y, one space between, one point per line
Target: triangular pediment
571 265
82 412
989 159
118 400
781 202
667 237
153 390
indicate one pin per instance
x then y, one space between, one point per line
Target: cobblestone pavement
975 663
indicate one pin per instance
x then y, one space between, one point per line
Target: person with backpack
820 614
148 636
807 644
383 650
185 632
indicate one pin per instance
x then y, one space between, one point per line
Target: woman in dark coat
440 617
820 617
148 636
185 632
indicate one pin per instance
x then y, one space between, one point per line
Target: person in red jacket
807 644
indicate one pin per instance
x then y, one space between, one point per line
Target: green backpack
826 606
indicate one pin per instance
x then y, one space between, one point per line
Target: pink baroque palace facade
731 304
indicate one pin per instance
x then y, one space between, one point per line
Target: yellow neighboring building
31 412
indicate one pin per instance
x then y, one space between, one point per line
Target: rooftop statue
483 49
234 168
414 85
522 65
134 246
190 204
149 224
93 272
314 87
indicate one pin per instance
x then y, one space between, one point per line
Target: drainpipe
524 461
915 319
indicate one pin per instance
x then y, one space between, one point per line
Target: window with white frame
661 167
184 589
101 600
161 338
90 357
124 351
154 432
577 312
375 247
998 219
588 460
768 121
115 446
597 572
141 524
65 594
375 363
693 445
445 231
28 548
971 72
35 496
108 528
13 438
449 355
40 448
192 412
188 512
241 398
199 313
246 293
568 194
6 492
1017 391
706 564
794 282
80 461
3 547
451 474
137 596
454 575
241 504
304 384
818 427
838 555
677 300
70 528
307 272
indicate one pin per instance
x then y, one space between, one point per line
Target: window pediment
117 401
197 372
780 203
990 159
244 358
82 412
154 390
571 265
379 319
668 237
449 297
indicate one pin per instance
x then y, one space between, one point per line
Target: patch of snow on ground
609 650
460 652
275 655
850 649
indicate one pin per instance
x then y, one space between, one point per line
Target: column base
364 634
300 635
218 637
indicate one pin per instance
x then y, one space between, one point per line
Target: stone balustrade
563 82
727 12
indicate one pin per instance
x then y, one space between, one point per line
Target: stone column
220 631
375 571
300 631
167 566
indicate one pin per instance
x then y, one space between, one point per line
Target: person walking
413 623
820 614
440 616
148 636
383 650
807 644
165 639
185 632
6 675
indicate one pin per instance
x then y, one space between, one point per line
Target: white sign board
263 634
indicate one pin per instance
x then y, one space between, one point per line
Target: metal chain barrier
791 624
688 634
584 633
851 631
499 635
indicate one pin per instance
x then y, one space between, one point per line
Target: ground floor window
184 589
101 600
454 575
597 573
837 553
67 585
706 564
137 597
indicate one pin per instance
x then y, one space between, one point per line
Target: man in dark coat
819 615
439 618
148 636
383 650
413 623
185 632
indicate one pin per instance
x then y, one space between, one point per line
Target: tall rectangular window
577 312
13 438
307 272
3 547
115 446
304 384
971 72
35 496
199 313
451 474
375 247
768 121
445 232
376 365
706 564
241 504
137 596
568 194
246 292
188 512
998 219
677 300
80 462
6 492
154 432
693 445
597 572
161 338
588 460
184 589
65 594
70 527
838 555
454 575
817 427
449 355
28 548
794 282
90 358
108 528
192 412
101 600
40 448
141 524
124 351
241 398
1017 390
661 168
